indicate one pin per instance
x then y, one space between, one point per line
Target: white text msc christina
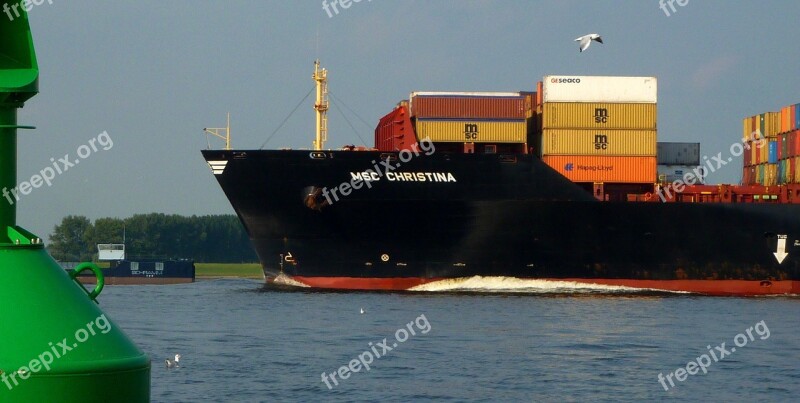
371 176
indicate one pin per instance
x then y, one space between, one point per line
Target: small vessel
124 271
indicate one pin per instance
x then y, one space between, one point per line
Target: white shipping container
678 153
599 89
671 173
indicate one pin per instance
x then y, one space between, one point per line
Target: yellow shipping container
599 142
582 115
771 175
748 127
796 166
480 131
770 123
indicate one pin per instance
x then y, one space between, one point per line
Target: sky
153 74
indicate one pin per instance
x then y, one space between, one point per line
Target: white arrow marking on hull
781 254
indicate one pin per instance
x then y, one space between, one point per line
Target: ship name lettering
420 177
368 176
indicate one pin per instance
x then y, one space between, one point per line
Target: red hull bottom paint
706 287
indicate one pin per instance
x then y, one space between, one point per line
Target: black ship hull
418 219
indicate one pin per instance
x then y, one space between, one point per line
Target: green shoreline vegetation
238 270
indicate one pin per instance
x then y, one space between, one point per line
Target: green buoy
55 342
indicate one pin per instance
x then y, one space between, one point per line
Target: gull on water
586 40
173 363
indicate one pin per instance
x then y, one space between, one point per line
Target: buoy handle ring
101 282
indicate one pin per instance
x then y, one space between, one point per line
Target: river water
504 341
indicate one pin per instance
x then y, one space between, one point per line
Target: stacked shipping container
599 129
470 118
776 161
394 131
789 145
677 159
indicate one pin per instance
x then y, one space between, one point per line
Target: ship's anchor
314 199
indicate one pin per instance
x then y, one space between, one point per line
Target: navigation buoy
56 342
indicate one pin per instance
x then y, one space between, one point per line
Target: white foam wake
283 279
512 284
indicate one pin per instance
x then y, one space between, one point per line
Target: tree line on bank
211 238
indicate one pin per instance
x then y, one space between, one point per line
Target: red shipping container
748 176
757 153
473 106
781 142
539 92
794 143
395 131
746 157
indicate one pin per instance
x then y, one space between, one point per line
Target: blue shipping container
797 116
773 152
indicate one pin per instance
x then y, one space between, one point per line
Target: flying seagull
173 363
362 311
586 40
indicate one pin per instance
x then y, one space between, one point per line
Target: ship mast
217 131
321 105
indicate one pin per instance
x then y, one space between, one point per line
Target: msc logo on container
470 131
600 142
600 115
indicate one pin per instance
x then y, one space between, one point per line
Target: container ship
566 184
